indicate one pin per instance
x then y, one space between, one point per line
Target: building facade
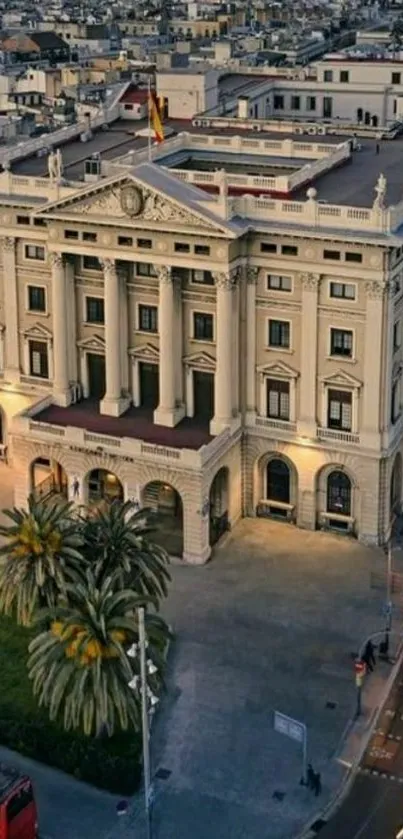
207 356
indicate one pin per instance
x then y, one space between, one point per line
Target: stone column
113 404
12 369
223 397
371 411
167 413
252 274
61 388
307 416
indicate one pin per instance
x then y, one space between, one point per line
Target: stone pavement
272 622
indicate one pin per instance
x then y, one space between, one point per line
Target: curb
328 811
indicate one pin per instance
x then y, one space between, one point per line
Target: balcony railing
338 436
280 425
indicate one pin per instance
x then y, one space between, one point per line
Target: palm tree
116 540
41 554
78 664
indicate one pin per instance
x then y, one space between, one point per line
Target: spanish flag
155 117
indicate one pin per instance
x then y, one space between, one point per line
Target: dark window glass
40 222
89 237
145 269
23 219
295 103
91 263
331 254
144 243
341 342
279 333
278 481
328 76
396 78
338 494
71 234
148 318
36 299
268 247
339 410
202 277
202 326
278 399
278 102
35 252
278 283
38 359
342 290
125 240
202 250
289 250
351 256
344 76
95 309
181 247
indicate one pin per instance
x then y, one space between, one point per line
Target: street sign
296 731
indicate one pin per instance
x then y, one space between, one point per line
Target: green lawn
110 763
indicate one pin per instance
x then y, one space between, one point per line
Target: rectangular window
202 277
331 254
396 77
202 250
91 263
278 102
295 103
279 333
396 336
395 401
268 247
341 342
71 234
352 256
148 318
38 359
23 220
344 76
289 250
127 241
36 298
311 103
89 237
95 310
145 269
328 76
35 252
181 247
339 409
146 244
278 399
202 326
279 283
345 291
40 222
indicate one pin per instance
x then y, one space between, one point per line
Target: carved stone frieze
310 282
8 243
165 274
252 274
55 260
376 290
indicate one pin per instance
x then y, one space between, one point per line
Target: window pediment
147 352
341 379
278 368
38 332
93 342
201 361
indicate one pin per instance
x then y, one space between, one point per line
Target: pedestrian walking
369 656
76 488
377 148
310 776
317 784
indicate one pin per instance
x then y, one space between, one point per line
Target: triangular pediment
93 342
37 330
278 368
341 379
145 198
147 352
201 361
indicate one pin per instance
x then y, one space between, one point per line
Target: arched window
278 481
339 493
359 114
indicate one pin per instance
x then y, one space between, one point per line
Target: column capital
252 274
310 282
55 259
376 290
9 243
226 280
165 274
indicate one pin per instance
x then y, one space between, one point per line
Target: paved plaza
272 622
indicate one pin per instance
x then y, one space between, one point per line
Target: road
374 807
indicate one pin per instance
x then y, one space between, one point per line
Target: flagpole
149 120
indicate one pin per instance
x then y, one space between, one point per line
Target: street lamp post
146 667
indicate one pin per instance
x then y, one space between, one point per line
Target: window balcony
338 436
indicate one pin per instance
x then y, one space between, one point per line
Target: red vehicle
18 816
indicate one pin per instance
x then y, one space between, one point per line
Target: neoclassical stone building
213 357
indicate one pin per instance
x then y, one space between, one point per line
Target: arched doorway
338 493
166 503
278 481
48 478
396 486
103 486
218 503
